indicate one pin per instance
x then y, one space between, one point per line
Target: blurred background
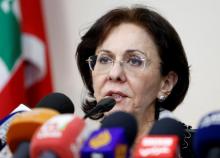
196 21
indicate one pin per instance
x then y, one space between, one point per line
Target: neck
146 122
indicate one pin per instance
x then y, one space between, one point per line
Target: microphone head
57 101
207 136
24 125
106 104
122 120
168 126
61 135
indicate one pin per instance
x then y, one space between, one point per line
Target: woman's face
134 87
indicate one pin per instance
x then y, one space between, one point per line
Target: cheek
146 89
98 81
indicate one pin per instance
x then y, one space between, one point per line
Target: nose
116 73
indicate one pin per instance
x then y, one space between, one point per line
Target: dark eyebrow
136 50
104 50
127 51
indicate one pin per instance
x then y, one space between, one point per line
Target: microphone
61 136
4 123
206 142
22 128
50 146
168 126
57 101
113 139
163 140
103 105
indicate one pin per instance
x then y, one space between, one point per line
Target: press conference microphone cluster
206 141
163 140
63 135
22 128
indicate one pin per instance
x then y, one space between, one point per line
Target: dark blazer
186 148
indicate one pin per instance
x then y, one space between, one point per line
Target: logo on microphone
100 139
54 127
157 146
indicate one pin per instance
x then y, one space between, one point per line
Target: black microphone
58 101
168 126
103 105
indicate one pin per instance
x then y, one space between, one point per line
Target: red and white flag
25 75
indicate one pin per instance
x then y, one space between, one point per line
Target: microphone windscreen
24 125
57 101
207 136
122 120
168 126
61 135
106 104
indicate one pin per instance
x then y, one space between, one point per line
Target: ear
167 84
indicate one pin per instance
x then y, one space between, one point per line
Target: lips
117 95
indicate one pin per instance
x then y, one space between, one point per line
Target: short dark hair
170 49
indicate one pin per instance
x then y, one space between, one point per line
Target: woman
135 56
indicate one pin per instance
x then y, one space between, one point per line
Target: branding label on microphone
101 139
157 141
157 146
155 151
54 127
106 142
